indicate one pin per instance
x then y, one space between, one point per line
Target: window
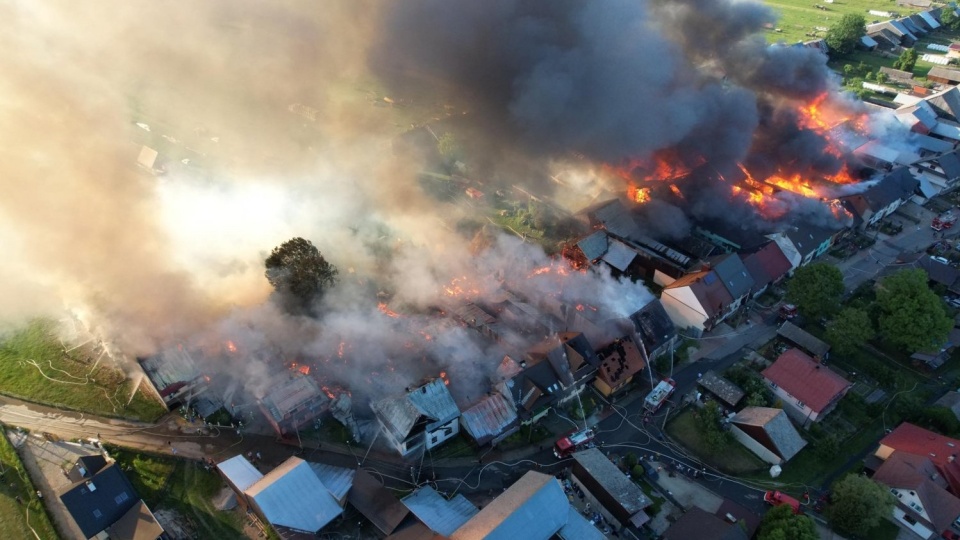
97 514
909 519
773 385
120 498
800 404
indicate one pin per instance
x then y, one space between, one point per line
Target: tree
849 330
843 36
858 504
906 61
708 419
780 523
911 316
881 77
816 290
299 273
949 19
449 147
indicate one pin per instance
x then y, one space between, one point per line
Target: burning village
383 230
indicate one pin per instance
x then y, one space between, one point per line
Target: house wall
662 279
900 516
755 447
801 414
440 434
909 498
683 308
788 249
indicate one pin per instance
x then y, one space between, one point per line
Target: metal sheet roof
337 480
619 255
434 401
533 508
627 494
578 528
240 472
594 246
377 503
440 515
291 393
787 442
293 496
489 418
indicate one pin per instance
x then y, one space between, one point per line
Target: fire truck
943 221
776 498
787 312
573 442
659 395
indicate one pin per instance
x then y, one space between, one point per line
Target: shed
802 339
619 495
944 75
292 496
768 433
727 392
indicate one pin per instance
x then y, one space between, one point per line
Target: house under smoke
420 419
620 362
293 402
652 325
698 301
881 199
492 419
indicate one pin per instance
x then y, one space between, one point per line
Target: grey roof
593 246
100 501
493 415
695 523
289 393
293 496
376 502
952 75
950 400
615 218
169 367
533 508
654 325
612 480
619 255
440 515
938 272
432 400
804 339
784 437
578 528
807 237
728 392
946 103
240 472
87 466
735 276
337 480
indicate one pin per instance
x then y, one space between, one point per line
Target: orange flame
231 346
387 311
443 375
676 191
340 348
639 195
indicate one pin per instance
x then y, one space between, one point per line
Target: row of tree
906 311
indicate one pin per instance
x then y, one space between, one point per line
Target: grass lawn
35 367
20 520
798 18
184 486
733 458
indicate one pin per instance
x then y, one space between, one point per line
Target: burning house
881 199
293 402
420 419
619 363
492 419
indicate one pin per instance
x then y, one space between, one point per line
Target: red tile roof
915 440
813 384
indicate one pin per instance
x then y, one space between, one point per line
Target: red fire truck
659 395
943 221
573 442
777 498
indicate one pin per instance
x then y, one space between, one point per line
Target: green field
184 486
35 367
19 520
799 19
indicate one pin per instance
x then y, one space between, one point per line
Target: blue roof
533 508
440 515
578 528
735 276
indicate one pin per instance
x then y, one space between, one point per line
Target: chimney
523 364
91 486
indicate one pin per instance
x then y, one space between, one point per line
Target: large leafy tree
857 505
843 36
912 316
949 19
906 61
299 273
849 330
780 523
816 289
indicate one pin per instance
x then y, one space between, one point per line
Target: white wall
760 450
898 515
683 308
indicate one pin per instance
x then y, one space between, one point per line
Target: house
886 40
728 393
808 390
767 265
533 508
697 523
639 256
809 241
788 249
653 328
615 495
239 474
420 419
103 503
867 43
938 173
439 514
881 199
292 402
613 216
910 439
376 503
768 433
492 419
698 301
553 372
293 497
735 277
801 339
946 103
919 117
930 19
923 504
619 363
734 513
944 75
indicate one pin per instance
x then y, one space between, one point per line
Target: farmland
799 20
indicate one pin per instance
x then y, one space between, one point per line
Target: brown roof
619 361
806 380
708 288
939 449
767 265
137 524
376 503
919 474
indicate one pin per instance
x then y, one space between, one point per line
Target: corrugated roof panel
578 528
533 508
293 496
440 515
336 479
489 417
240 472
434 400
619 255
